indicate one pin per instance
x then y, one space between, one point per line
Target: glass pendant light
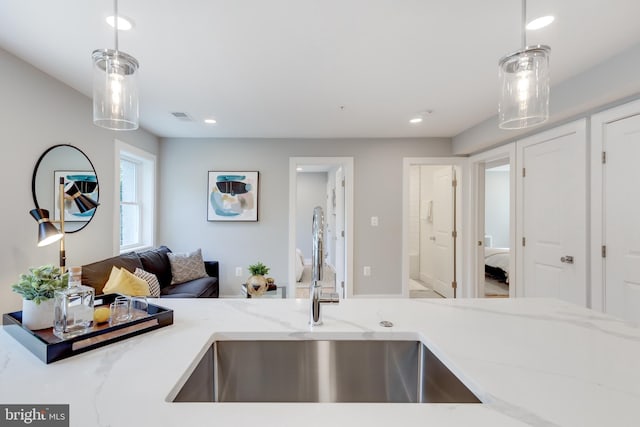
115 88
524 84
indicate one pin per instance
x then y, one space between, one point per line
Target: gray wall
37 112
312 192
377 188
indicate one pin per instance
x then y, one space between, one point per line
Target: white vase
37 316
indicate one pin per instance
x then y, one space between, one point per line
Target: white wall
37 112
496 208
377 189
312 192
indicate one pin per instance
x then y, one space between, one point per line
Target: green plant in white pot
37 288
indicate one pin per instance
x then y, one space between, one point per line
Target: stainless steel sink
322 371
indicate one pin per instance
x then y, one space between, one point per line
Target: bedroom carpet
495 289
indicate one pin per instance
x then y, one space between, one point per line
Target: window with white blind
136 201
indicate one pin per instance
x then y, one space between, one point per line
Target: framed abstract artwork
88 185
232 196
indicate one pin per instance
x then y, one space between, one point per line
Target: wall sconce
47 232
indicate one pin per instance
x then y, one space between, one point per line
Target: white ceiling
314 68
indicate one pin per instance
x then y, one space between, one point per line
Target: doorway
495 242
326 182
432 225
494 231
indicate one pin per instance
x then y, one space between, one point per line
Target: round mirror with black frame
68 162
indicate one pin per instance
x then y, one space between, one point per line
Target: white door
621 215
480 229
442 228
340 231
553 214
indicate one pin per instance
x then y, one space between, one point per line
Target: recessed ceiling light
210 121
299 169
124 24
416 120
541 22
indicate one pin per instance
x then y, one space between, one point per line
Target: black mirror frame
35 170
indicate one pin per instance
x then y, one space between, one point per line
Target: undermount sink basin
322 371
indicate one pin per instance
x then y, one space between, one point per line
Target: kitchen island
539 362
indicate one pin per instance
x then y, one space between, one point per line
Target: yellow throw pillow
124 282
113 278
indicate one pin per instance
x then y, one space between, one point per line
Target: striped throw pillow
151 279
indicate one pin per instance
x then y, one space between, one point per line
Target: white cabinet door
621 199
553 207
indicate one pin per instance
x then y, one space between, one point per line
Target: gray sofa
154 261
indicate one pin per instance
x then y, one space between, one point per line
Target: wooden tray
49 348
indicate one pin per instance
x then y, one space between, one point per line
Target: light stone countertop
537 362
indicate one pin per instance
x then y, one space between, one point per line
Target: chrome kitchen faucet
315 296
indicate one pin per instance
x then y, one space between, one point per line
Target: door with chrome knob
553 195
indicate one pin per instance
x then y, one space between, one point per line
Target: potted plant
257 283
37 288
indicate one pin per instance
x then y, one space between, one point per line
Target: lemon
101 314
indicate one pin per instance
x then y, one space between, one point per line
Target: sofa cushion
204 287
152 281
97 273
156 261
186 267
124 282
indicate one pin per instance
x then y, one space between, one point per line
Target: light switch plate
238 271
374 221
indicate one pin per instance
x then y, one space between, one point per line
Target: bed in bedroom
496 264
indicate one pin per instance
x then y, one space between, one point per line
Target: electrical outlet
238 271
366 271
374 221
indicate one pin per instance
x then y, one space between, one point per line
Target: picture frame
88 185
232 196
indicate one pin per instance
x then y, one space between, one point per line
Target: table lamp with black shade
47 232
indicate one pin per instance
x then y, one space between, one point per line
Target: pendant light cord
115 21
524 24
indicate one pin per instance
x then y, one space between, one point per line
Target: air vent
181 116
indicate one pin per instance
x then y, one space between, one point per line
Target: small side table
278 292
